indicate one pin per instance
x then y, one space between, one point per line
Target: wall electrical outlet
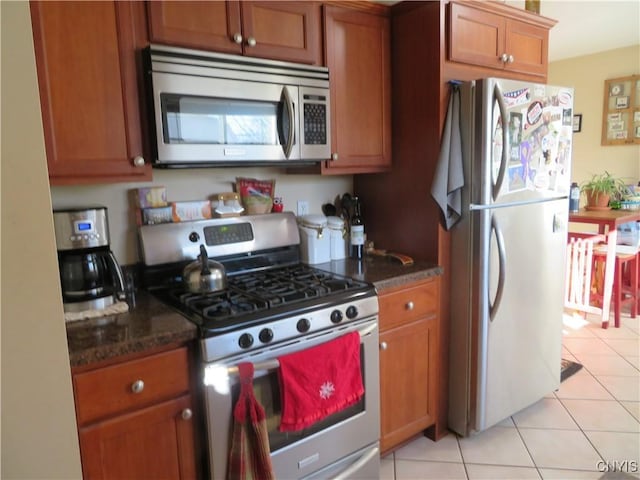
303 208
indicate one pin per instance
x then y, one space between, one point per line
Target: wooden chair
625 281
578 277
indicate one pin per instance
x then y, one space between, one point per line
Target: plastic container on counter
315 239
338 241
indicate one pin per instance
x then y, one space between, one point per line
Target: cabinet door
288 31
200 25
475 36
527 46
500 37
408 368
357 49
156 442
86 61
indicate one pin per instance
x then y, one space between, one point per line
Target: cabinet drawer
406 305
131 384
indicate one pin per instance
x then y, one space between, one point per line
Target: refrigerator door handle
506 142
502 258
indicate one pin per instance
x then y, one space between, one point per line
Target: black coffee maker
90 276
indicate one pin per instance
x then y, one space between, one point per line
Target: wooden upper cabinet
89 91
202 25
288 31
357 51
497 36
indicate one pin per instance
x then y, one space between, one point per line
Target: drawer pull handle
137 386
383 346
187 414
410 305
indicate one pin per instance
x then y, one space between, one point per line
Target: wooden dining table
607 222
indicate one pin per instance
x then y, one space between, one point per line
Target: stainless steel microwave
212 109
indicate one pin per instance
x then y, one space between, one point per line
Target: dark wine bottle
357 231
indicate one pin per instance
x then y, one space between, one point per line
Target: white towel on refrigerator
449 176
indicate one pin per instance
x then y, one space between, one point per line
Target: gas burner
219 306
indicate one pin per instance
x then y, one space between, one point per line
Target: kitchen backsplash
194 184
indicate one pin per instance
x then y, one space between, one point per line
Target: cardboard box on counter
185 211
153 216
150 197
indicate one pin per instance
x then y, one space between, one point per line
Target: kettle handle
204 260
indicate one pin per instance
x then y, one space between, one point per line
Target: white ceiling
590 26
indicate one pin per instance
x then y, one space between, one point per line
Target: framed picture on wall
622 102
577 122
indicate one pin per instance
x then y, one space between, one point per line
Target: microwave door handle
288 101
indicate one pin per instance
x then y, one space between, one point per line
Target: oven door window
267 391
221 121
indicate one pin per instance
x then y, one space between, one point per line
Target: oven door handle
273 364
354 467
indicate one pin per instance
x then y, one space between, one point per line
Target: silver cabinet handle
334 157
137 386
138 161
251 42
504 57
409 305
237 38
186 414
383 345
510 59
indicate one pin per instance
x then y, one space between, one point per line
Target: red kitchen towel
320 381
249 456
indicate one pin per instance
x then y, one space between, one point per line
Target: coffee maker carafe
90 276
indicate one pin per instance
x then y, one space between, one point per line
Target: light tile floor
573 433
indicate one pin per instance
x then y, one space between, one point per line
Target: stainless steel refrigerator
508 249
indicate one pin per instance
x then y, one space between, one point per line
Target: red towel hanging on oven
320 381
249 456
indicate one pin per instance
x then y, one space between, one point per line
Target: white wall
195 184
39 435
586 75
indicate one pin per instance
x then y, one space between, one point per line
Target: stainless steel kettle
204 275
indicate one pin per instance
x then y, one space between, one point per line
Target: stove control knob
336 316
265 335
194 237
245 341
303 325
352 312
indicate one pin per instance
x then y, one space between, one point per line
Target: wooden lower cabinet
155 442
409 366
137 419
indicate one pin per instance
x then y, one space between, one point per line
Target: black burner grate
253 296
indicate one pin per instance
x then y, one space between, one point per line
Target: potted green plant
601 189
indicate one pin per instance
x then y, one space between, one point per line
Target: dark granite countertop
151 324
382 272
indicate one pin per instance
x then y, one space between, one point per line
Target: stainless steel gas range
273 306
